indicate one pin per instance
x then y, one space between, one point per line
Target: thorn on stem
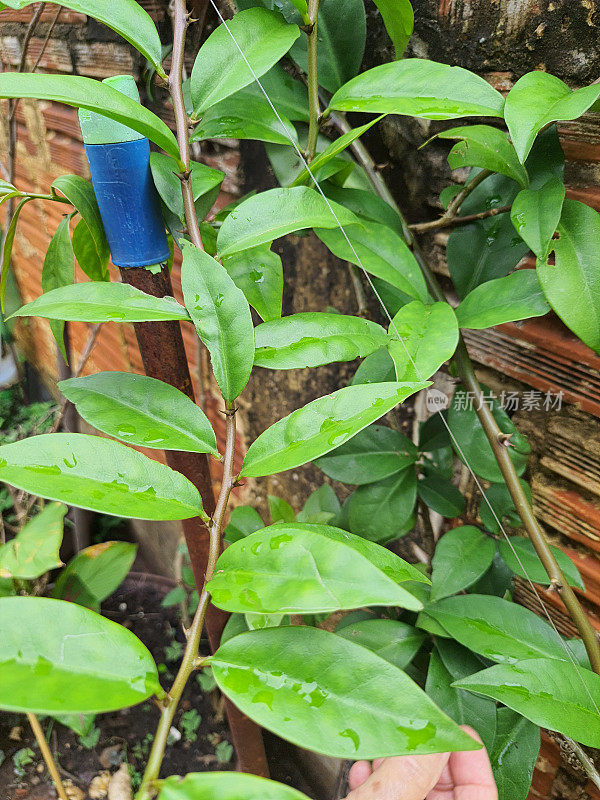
307 29
504 439
555 585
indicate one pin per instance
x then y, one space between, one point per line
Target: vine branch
313 82
447 222
466 373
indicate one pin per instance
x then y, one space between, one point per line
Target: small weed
173 651
21 759
206 680
190 722
223 752
90 738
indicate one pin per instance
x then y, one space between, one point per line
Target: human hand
439 776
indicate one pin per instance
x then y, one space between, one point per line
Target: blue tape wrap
128 202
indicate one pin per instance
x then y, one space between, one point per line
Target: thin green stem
466 373
313 82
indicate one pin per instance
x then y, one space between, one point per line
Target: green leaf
7 245
433 434
332 150
522 559
80 194
95 573
102 302
244 116
366 206
321 503
461 557
462 707
86 255
312 338
294 568
141 410
373 454
536 100
75 90
399 19
417 87
98 665
471 443
222 318
269 215
381 251
550 693
485 147
376 368
258 272
384 511
289 96
322 425
440 494
497 629
513 754
499 498
535 213
243 521
225 786
422 338
518 296
127 18
220 69
391 640
34 550
300 683
572 285
59 270
280 510
164 173
98 474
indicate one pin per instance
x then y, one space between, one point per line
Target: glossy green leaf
95 573
384 511
497 629
220 69
289 96
433 433
141 410
535 213
536 100
294 568
127 18
75 90
59 270
461 557
376 368
222 318
80 194
422 338
572 285
381 252
373 454
311 338
419 88
164 172
518 296
440 494
513 754
394 641
225 786
280 509
471 443
322 425
502 506
366 206
244 116
86 254
399 19
550 693
34 550
7 245
99 474
98 665
243 521
258 272
335 148
461 706
486 147
322 505
300 683
522 559
102 302
276 212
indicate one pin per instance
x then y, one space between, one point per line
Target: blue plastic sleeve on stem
128 202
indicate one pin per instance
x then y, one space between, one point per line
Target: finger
402 778
468 777
359 772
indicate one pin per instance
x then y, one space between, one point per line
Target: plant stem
466 373
190 657
47 756
313 82
586 762
447 222
180 23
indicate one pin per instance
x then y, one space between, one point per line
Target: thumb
402 778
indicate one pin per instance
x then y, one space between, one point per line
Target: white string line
402 339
